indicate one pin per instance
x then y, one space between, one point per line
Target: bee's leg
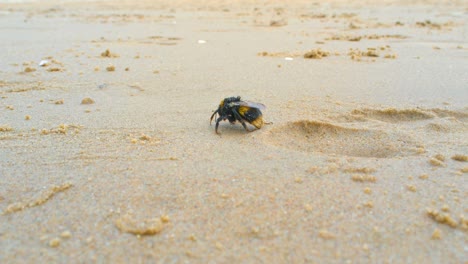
239 118
217 123
213 115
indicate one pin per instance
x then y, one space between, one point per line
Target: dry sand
107 155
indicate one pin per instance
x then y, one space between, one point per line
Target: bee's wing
251 104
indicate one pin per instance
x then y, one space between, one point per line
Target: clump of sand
390 56
5 128
55 242
278 23
145 137
325 234
364 170
316 54
439 157
363 178
66 234
463 223
29 69
423 176
110 68
371 37
437 234
437 161
87 100
443 218
460 157
61 129
372 53
133 226
43 198
55 69
433 25
357 54
108 54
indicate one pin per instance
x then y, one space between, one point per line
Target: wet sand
107 153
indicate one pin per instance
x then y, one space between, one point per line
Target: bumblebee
234 109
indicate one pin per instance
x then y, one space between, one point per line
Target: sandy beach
107 154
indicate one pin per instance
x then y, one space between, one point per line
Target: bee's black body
233 109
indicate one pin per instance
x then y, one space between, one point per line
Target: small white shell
43 63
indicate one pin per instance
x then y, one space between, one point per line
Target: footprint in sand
316 136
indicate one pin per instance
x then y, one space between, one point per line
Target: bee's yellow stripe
221 104
258 123
243 109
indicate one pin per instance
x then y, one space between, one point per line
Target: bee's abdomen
252 115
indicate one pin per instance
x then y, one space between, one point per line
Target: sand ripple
394 115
